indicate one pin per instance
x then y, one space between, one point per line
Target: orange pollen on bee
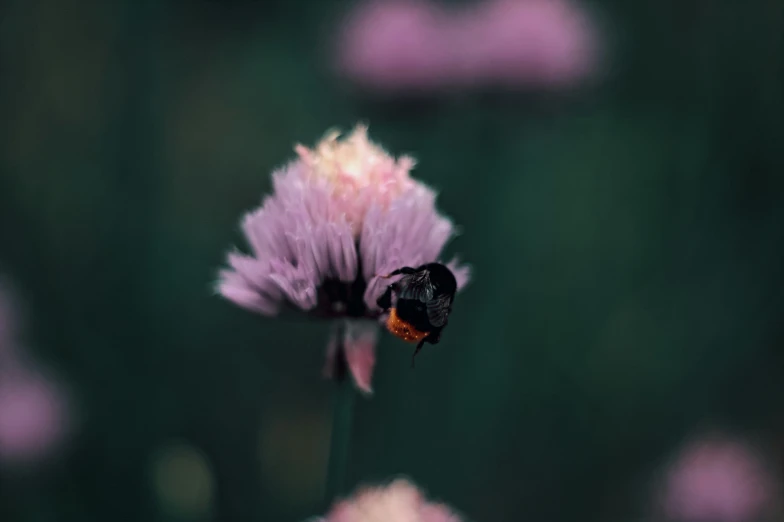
402 329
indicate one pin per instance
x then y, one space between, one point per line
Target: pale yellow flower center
397 502
360 172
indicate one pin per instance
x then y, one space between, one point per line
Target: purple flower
340 216
34 409
395 502
717 479
34 415
398 45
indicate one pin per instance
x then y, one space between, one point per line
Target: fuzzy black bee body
424 302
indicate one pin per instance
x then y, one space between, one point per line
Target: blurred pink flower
342 216
399 501
400 44
33 416
395 45
543 42
717 480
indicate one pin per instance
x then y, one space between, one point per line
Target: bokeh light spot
183 480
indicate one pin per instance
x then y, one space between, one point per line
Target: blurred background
616 170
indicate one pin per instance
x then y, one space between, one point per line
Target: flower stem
342 421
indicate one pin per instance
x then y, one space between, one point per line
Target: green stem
342 421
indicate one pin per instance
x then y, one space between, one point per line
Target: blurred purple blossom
340 216
719 480
395 44
33 416
34 413
396 502
416 44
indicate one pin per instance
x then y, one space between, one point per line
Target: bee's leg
416 351
385 301
434 337
406 270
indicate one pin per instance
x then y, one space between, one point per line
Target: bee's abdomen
403 329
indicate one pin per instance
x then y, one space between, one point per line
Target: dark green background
626 238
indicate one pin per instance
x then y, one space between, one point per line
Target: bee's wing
417 286
438 310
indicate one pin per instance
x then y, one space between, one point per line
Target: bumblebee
424 302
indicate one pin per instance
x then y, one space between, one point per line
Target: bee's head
442 278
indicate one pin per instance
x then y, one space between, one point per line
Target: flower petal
236 289
296 283
358 340
360 344
462 272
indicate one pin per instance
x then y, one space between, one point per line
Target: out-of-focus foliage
626 239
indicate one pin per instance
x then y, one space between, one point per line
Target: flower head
717 479
341 215
547 43
33 416
396 45
396 502
34 410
